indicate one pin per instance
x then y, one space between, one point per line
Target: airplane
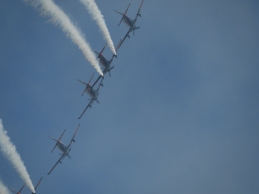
91 92
65 149
19 192
131 23
105 62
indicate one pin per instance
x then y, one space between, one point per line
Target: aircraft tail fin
13 190
82 82
53 138
90 79
103 49
100 53
18 191
122 14
56 140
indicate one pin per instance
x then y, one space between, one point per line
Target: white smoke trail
98 17
3 189
9 150
59 17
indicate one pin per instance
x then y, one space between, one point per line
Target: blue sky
178 115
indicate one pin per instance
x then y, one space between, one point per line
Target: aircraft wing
118 12
59 160
116 49
96 81
100 84
130 29
138 14
73 138
89 105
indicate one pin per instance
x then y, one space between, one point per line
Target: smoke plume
58 16
9 151
98 17
3 189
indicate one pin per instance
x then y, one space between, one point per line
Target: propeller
140 8
110 70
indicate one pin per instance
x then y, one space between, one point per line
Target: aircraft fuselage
62 147
92 93
128 21
105 63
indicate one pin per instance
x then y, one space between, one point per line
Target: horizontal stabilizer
18 191
90 79
35 188
122 14
120 21
118 12
82 82
54 147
